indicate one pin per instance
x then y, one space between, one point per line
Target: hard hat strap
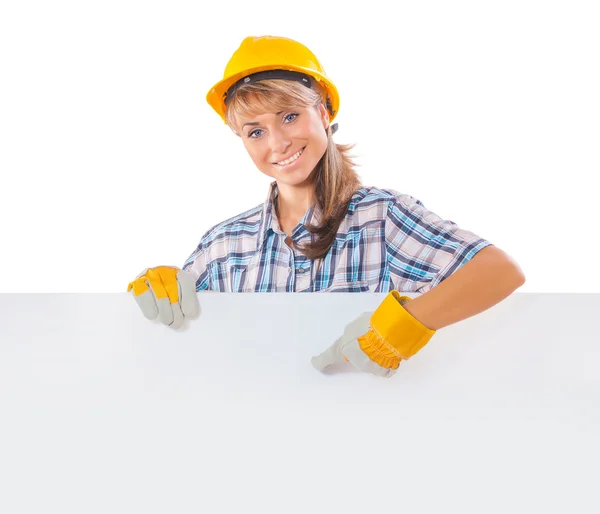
267 75
274 75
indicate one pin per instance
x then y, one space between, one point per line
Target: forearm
487 279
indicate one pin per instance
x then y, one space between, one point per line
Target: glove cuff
379 351
396 326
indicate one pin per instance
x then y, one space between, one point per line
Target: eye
289 118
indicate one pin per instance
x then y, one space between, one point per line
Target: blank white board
104 411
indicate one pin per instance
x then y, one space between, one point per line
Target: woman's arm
487 279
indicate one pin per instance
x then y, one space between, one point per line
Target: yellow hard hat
271 57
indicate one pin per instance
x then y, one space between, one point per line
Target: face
287 145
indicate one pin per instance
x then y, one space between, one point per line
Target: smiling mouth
291 159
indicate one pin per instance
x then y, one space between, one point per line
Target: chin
295 178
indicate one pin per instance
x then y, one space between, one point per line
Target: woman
319 229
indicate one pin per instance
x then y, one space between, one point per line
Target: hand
348 349
166 292
377 342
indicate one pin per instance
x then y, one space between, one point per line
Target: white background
112 161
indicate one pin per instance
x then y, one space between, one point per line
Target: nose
279 142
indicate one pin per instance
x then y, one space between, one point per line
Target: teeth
291 159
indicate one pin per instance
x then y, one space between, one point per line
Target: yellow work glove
166 292
377 342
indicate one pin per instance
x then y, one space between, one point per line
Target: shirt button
301 270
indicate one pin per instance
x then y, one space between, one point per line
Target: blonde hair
336 180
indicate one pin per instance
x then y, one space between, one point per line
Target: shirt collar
269 221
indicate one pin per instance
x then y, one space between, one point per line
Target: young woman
319 229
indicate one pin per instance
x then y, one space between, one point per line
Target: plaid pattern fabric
387 240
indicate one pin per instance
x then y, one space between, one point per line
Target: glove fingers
147 304
178 317
167 275
360 360
187 294
331 356
334 354
153 279
164 286
144 296
358 327
165 311
159 292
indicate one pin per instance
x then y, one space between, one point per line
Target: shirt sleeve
198 265
422 248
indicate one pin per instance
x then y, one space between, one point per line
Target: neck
293 202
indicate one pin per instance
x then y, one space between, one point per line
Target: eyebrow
254 123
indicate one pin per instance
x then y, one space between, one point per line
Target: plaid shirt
387 240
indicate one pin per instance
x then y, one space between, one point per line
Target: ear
324 113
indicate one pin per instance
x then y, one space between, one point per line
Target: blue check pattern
388 240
